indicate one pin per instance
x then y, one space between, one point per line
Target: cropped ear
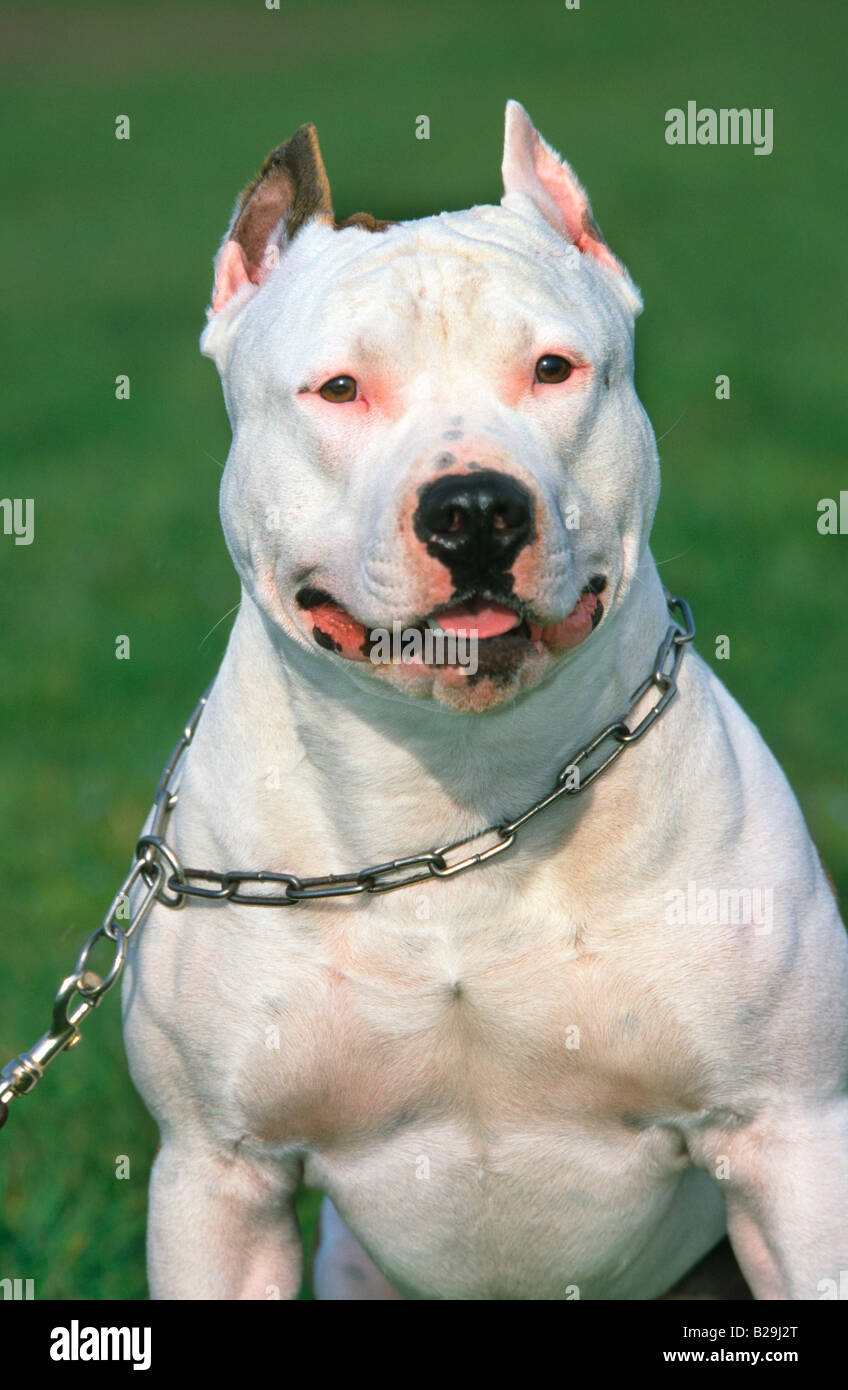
291 190
532 168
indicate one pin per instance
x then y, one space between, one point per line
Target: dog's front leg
221 1227
785 1178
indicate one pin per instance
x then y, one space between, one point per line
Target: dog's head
435 428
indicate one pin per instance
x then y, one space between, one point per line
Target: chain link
165 880
81 992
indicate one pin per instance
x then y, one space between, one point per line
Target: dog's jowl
529 1079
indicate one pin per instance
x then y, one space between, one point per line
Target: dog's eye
550 369
339 389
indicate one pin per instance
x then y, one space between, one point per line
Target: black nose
475 523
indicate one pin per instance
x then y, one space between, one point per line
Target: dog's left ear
530 167
291 189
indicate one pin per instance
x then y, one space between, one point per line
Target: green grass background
106 270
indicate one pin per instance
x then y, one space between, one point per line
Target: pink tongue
486 619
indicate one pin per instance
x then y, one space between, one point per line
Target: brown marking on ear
365 221
591 239
292 187
590 226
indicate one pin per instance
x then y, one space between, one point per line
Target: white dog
565 1072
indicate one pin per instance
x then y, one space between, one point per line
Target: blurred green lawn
107 262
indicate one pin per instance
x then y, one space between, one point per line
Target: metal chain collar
166 880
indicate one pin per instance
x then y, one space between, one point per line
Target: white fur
426 1076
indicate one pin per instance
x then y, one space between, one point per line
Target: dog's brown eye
339 389
550 369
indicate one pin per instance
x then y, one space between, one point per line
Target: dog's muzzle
475 524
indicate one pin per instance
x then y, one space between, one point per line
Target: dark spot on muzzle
311 598
325 640
475 524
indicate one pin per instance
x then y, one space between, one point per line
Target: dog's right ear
291 190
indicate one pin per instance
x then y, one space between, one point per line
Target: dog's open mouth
498 632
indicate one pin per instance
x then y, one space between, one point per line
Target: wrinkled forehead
480 280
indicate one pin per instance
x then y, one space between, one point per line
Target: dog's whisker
678 556
667 432
219 622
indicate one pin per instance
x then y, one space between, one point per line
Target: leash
164 879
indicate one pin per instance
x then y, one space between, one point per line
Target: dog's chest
379 1024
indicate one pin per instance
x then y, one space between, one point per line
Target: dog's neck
394 774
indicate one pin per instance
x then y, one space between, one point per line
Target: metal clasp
25 1071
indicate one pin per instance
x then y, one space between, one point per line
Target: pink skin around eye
514 385
580 369
375 394
311 396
